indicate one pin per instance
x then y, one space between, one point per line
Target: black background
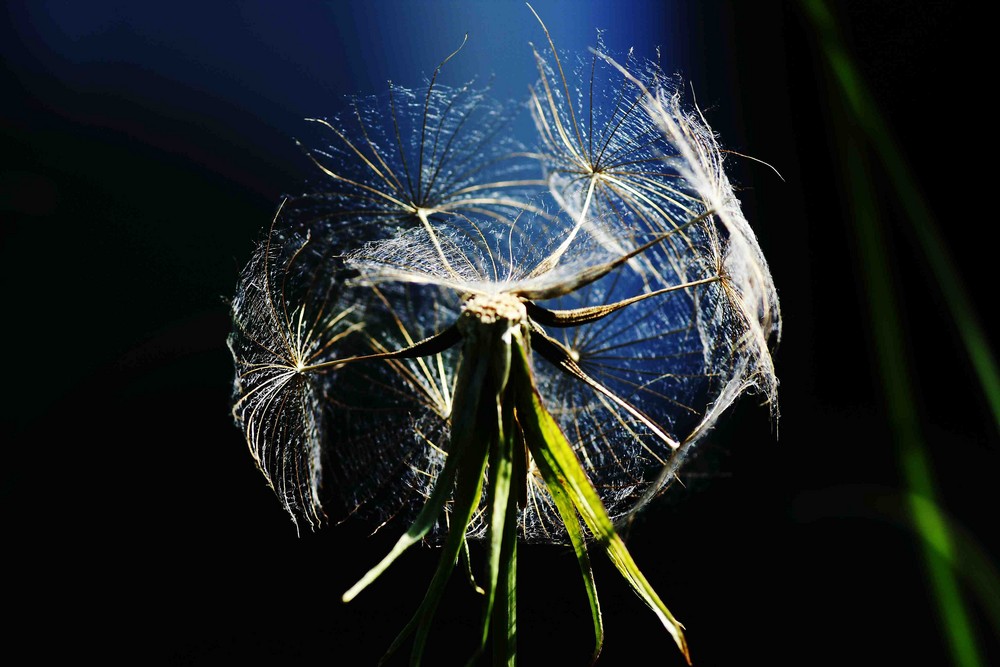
137 526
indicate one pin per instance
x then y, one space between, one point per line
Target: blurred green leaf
887 329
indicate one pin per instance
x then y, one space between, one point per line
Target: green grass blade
468 391
504 619
567 512
963 551
547 443
468 491
505 612
866 116
887 330
969 558
917 469
421 526
476 431
501 469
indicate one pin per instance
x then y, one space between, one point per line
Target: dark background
143 151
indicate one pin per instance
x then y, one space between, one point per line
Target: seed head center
491 308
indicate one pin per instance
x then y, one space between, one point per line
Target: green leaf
477 434
501 468
505 613
550 448
569 516
468 389
504 618
468 491
864 115
862 133
416 532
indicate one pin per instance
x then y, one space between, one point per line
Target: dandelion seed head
617 239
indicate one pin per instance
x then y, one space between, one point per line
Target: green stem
501 468
504 618
887 328
877 134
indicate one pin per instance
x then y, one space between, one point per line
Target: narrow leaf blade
547 443
572 523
